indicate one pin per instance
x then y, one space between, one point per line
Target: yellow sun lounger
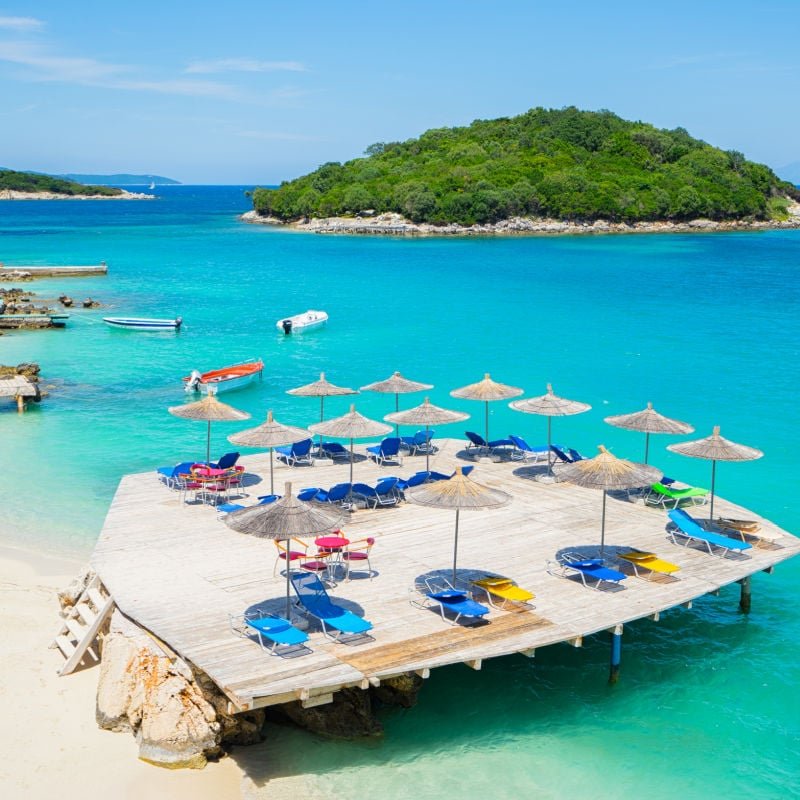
505 590
649 561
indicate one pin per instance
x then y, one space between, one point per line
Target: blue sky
256 92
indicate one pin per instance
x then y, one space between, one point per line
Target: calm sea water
705 326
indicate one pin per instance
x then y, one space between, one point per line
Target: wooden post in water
616 654
20 403
745 595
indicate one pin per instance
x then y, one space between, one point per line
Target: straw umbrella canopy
322 388
285 519
649 421
269 434
351 426
396 384
487 391
209 410
607 472
426 414
459 493
716 448
550 405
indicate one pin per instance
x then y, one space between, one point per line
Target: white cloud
20 23
243 65
90 72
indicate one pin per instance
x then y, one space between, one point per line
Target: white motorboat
225 379
144 323
302 322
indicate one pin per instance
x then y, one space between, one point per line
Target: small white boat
223 380
302 322
144 323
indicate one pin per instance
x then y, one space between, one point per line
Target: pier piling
616 654
745 595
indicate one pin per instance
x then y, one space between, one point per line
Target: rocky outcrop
177 715
402 690
181 719
27 369
396 225
349 716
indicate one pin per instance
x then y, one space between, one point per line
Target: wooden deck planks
179 571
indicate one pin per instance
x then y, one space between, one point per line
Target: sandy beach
51 744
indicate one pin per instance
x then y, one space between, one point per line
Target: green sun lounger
665 494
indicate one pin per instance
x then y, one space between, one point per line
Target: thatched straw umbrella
396 385
460 492
283 520
426 414
649 421
607 472
269 434
322 388
351 426
550 405
487 391
209 410
716 448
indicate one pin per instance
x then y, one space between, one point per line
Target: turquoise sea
705 326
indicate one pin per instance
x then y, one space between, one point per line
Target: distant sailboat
152 185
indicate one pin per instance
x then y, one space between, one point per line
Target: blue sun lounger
280 632
334 450
477 442
688 529
443 595
276 635
337 622
592 571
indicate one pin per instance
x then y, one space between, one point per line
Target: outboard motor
193 384
287 326
178 323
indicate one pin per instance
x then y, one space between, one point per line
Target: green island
564 164
34 182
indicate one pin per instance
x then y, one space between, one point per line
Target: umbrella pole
603 527
208 444
427 449
455 550
321 418
549 451
646 445
351 462
271 480
487 421
397 408
288 543
713 481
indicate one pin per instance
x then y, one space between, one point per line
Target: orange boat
223 380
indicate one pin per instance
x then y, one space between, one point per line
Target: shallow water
705 326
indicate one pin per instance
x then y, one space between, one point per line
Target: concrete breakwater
27 273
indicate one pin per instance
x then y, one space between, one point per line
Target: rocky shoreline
397 225
181 719
11 194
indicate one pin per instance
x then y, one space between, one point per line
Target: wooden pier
179 571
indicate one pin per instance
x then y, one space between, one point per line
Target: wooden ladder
81 625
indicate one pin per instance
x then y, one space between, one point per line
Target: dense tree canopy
34 182
565 164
